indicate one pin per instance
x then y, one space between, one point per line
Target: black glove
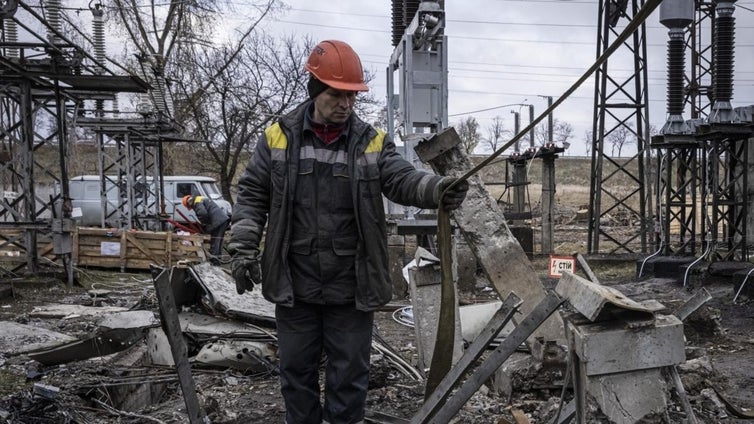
247 271
454 197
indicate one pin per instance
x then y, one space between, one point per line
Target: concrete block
613 347
628 398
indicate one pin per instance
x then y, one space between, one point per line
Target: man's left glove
454 197
247 271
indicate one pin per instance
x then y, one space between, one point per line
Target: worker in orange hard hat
316 182
214 219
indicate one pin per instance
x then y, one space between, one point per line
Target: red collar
327 133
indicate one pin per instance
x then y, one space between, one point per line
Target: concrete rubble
63 358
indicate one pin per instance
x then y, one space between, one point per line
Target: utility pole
531 132
550 121
516 129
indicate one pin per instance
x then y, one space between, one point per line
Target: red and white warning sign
561 264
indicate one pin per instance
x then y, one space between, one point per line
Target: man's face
333 106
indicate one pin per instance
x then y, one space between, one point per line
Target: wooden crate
114 248
12 249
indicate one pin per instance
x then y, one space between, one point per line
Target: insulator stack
98 35
409 11
676 67
723 56
399 24
52 10
676 15
11 36
161 96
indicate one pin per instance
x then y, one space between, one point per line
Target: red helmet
185 201
336 64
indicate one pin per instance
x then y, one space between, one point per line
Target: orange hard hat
185 200
336 64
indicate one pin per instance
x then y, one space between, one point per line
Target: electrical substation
683 208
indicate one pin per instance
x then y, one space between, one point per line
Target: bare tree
227 103
561 133
159 29
588 141
620 137
496 133
468 131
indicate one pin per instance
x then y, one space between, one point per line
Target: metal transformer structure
46 84
703 162
420 59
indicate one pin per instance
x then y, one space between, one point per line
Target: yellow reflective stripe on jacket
275 137
375 144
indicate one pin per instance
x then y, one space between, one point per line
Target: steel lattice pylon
621 112
41 98
703 168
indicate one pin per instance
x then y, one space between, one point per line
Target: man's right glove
454 197
247 271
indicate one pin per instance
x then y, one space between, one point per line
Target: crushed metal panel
16 339
158 348
223 298
194 323
242 355
108 342
115 332
597 302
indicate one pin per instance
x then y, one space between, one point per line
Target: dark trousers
345 335
216 239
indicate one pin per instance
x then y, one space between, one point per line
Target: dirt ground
719 367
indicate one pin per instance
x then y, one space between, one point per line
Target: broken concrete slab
128 319
64 311
597 302
628 398
16 339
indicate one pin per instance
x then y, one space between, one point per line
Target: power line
468 37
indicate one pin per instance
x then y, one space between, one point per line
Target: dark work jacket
265 197
210 215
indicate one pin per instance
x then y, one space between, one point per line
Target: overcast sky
512 51
505 52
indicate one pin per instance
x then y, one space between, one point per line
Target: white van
87 202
